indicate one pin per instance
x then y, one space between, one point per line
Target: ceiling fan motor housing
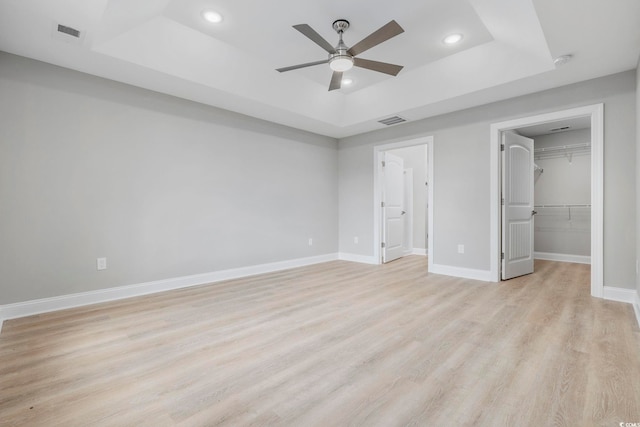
340 60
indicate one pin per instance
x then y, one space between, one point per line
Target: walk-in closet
562 177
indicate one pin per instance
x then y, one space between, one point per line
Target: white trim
636 307
596 112
378 151
580 259
430 188
465 273
28 308
419 251
619 294
362 259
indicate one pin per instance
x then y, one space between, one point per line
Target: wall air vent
563 128
68 30
394 120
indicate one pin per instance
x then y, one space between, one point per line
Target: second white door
392 207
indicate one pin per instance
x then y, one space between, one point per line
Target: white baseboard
419 251
28 308
580 259
363 259
624 295
466 273
619 294
636 307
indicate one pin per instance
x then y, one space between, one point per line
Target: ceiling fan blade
382 34
336 80
315 37
381 67
308 64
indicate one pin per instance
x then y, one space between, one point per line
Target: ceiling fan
342 58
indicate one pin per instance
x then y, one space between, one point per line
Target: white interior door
407 243
517 206
392 204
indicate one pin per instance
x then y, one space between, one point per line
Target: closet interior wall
563 195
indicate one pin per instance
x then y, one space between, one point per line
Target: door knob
533 213
402 213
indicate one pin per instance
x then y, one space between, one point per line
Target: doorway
411 231
546 206
595 114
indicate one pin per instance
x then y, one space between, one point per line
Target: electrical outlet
460 249
310 241
101 263
355 240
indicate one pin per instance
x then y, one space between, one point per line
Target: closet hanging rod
563 206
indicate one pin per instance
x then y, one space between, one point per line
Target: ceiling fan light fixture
453 38
212 16
341 63
342 58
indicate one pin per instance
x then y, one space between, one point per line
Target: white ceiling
166 46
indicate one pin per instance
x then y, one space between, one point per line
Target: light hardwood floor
331 345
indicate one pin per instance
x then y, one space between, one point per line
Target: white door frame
378 151
596 112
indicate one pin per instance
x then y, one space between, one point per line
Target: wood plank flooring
333 344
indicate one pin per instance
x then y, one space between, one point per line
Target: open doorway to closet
546 215
562 184
403 186
558 165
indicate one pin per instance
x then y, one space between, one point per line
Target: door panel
517 209
392 198
407 208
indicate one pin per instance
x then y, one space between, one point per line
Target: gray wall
461 174
160 186
638 175
416 158
563 230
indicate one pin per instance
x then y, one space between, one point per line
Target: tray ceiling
166 46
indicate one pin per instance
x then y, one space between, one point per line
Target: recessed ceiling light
212 16
453 38
561 60
347 81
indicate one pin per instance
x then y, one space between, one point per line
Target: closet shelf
563 206
562 151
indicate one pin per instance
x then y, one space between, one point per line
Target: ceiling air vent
394 120
68 30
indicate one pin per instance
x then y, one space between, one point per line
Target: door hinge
502 255
382 204
502 201
384 163
501 147
383 244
